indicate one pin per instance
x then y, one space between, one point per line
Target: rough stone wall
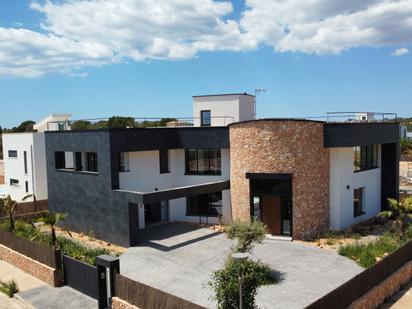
43 272
376 296
283 146
118 303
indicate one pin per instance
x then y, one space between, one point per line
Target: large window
365 157
203 161
205 118
81 161
209 204
12 153
164 161
358 202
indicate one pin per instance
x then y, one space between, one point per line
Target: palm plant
52 219
9 205
400 212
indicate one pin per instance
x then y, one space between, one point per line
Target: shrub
9 288
225 282
247 233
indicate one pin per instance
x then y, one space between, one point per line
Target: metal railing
135 122
361 117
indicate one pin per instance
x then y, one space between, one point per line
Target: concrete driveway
180 259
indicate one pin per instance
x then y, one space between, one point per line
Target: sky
146 58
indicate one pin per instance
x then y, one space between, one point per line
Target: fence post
106 264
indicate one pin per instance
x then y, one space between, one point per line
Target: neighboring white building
25 160
403 132
223 109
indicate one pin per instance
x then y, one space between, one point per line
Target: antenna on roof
257 91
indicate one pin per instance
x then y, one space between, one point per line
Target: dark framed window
25 162
205 118
59 160
79 161
124 162
209 204
14 182
203 161
358 202
27 186
164 161
365 157
91 162
12 153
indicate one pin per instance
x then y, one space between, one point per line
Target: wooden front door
272 214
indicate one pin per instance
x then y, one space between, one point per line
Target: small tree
400 212
225 282
8 205
247 234
52 219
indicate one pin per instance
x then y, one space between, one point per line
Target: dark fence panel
28 208
355 288
80 276
41 253
144 296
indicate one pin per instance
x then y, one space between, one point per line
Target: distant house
403 132
25 159
298 176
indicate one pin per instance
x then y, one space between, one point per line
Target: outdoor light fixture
239 257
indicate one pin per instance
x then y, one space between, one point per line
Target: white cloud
400 52
81 33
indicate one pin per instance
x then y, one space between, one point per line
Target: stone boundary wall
283 147
43 272
118 303
377 295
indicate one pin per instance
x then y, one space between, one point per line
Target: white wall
144 176
34 145
236 107
341 199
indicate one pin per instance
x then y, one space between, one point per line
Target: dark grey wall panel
88 198
358 134
389 173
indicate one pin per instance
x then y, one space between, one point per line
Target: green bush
366 254
9 288
225 282
247 233
406 146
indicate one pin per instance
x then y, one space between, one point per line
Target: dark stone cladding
359 134
90 200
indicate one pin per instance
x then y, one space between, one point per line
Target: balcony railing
130 122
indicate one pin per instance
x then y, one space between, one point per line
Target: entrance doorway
271 203
155 213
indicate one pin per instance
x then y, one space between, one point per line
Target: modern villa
298 176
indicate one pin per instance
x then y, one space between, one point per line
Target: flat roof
222 94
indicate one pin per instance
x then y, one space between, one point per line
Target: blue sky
301 79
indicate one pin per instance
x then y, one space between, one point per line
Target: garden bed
67 245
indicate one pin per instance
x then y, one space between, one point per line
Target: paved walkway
34 293
183 263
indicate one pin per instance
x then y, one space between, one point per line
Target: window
91 160
365 157
12 153
203 161
25 162
164 161
64 160
205 118
27 186
14 182
124 162
209 204
358 196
